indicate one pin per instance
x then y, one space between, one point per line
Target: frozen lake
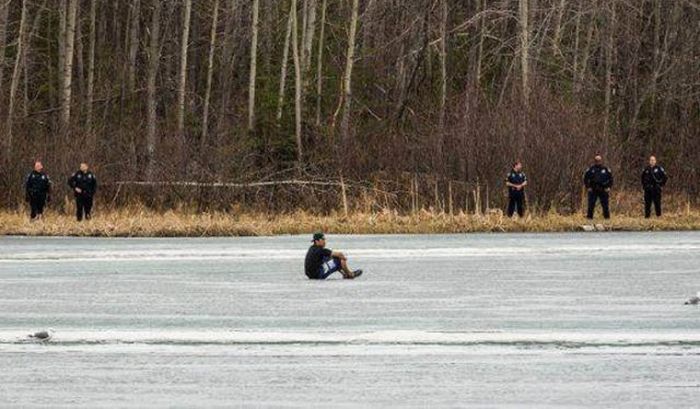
565 320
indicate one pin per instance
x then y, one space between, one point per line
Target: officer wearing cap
321 262
598 180
654 178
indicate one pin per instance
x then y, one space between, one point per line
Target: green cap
319 236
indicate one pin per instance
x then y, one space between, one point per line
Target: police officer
598 180
84 185
654 178
38 190
516 182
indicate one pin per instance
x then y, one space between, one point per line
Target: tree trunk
228 57
91 64
556 37
67 89
608 67
4 7
368 28
297 81
14 84
583 67
79 63
309 37
153 63
63 6
319 65
482 36
285 60
25 78
182 78
26 62
524 11
347 79
577 41
134 42
657 44
253 66
443 69
304 17
210 73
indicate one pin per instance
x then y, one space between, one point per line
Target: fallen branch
228 184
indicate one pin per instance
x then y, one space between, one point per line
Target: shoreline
141 223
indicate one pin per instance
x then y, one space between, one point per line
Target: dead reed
139 222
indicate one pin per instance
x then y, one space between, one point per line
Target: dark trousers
83 207
593 197
516 201
652 196
37 204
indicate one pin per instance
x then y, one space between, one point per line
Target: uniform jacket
86 181
654 177
598 178
37 185
515 178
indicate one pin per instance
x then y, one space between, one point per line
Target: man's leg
79 208
332 266
42 205
605 203
521 205
511 205
38 204
39 208
87 207
592 197
345 270
657 202
33 206
647 203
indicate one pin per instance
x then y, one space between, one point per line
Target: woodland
281 105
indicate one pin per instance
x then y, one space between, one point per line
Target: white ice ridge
234 253
407 337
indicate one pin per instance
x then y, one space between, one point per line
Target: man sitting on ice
322 262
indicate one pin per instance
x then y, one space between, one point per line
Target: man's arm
26 187
664 177
92 185
587 179
49 186
610 180
71 181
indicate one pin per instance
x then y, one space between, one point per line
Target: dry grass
143 223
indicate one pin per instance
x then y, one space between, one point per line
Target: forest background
348 105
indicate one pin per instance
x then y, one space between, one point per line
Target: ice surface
446 321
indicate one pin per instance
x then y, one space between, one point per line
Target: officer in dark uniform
38 190
516 182
84 185
598 180
654 178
